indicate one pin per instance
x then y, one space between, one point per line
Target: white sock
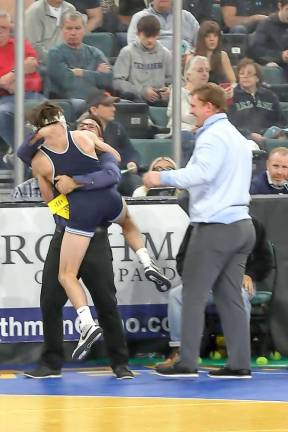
144 257
85 316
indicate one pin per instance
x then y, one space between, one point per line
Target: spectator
42 25
196 74
10 6
102 109
74 68
254 107
110 22
162 163
126 9
243 16
33 83
209 45
92 9
269 45
200 9
162 9
143 69
275 179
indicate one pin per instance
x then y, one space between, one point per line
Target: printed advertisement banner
24 241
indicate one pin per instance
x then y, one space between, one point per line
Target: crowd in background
62 63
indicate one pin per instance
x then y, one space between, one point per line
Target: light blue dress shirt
218 174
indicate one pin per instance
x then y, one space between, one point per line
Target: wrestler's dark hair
44 114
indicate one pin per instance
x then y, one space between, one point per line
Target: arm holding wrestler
108 176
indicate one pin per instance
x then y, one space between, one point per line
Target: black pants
96 272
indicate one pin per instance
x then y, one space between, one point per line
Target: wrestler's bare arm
42 170
85 138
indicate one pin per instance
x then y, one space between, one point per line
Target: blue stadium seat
150 149
103 41
158 115
235 44
275 79
284 110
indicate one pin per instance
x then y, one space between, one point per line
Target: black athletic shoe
42 372
89 335
123 372
176 371
230 373
154 274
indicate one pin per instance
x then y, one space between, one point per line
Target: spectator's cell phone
162 191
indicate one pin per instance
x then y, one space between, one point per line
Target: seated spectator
200 9
162 163
143 69
110 21
258 267
92 9
269 45
196 75
102 108
74 68
275 179
10 7
126 9
209 45
162 10
255 108
42 25
243 16
33 83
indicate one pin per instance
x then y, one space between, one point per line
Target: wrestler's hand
65 184
151 179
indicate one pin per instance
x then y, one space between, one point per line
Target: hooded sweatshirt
190 26
137 68
270 39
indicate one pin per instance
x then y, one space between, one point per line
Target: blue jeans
7 111
187 145
175 312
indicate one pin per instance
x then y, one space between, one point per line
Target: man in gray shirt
162 10
42 25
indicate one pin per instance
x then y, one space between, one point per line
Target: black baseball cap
102 97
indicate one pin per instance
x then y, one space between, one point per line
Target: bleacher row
237 47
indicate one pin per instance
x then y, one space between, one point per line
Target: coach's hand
65 184
151 179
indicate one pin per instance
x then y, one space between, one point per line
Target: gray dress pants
215 260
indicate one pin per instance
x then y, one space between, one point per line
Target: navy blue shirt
116 135
261 186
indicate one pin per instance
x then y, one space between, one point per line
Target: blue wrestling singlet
88 208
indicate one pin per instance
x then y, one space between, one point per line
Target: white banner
24 241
